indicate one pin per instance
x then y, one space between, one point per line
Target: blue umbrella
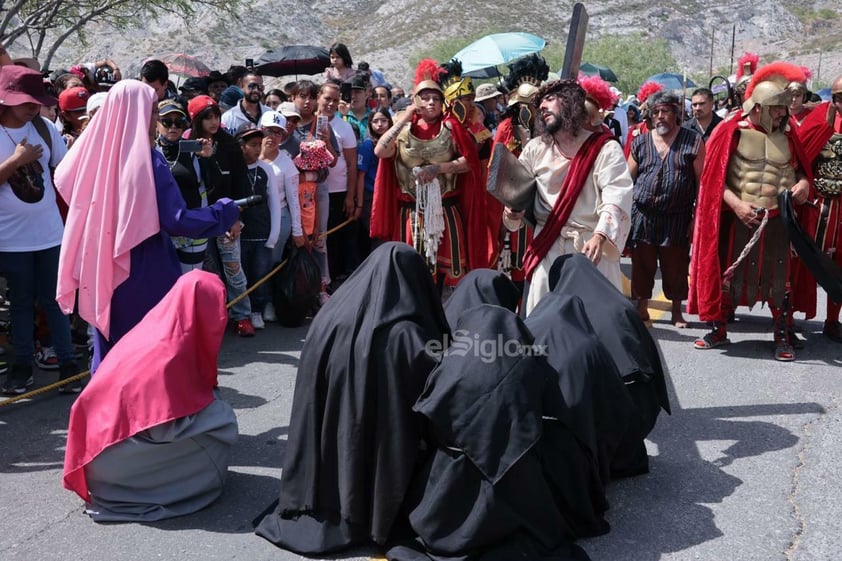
824 93
672 81
496 49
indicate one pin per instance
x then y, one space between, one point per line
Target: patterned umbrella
185 65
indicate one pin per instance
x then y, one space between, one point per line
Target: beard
553 125
663 130
253 97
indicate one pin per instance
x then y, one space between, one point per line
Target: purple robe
154 262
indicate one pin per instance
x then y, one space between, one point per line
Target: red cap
199 104
74 99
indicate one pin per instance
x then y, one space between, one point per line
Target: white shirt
337 180
31 226
236 117
286 178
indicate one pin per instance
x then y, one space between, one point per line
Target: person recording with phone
183 160
225 174
116 250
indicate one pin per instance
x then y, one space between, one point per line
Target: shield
672 81
827 273
185 65
293 59
510 182
488 52
603 72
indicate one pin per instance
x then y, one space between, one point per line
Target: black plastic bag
295 291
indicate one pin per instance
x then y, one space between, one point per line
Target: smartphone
345 92
250 63
190 146
321 127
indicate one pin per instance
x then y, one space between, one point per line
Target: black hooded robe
353 439
481 286
483 494
628 341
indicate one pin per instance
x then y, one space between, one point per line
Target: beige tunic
603 206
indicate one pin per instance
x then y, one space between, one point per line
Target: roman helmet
768 88
426 78
599 98
455 87
525 75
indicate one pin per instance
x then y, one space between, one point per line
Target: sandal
711 341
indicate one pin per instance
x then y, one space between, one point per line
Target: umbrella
603 72
496 49
825 94
185 65
672 81
293 59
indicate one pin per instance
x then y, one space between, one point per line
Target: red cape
385 218
705 297
161 370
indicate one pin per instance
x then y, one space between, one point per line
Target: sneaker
68 370
46 359
18 380
269 313
245 328
257 320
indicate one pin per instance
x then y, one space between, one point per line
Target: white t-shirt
30 226
337 180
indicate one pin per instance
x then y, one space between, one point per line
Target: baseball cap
272 119
168 106
94 103
287 109
486 91
248 130
199 104
195 85
229 97
74 99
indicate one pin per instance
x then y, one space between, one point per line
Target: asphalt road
746 468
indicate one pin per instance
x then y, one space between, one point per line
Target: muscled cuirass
414 152
828 166
760 168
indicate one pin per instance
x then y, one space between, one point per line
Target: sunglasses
255 86
836 98
177 123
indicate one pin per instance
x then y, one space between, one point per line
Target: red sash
571 187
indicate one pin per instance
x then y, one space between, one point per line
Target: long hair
340 50
572 97
197 126
379 111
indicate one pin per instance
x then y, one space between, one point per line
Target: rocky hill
388 34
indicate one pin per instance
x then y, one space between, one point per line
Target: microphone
250 201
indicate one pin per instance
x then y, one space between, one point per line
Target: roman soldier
647 89
426 190
756 156
515 129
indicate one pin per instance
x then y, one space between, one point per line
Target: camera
189 146
250 63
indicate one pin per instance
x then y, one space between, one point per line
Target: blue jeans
31 275
257 262
235 277
286 232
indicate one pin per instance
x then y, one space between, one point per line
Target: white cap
272 119
94 103
287 109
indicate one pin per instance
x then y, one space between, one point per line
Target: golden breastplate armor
760 168
414 152
828 167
